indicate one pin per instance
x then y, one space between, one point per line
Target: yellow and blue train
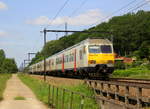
89 58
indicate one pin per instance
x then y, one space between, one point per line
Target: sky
22 20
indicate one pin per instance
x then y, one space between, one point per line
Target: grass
41 91
19 98
136 72
3 79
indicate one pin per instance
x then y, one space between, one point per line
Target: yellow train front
100 58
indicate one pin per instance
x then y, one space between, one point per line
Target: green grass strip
19 98
140 72
40 88
3 79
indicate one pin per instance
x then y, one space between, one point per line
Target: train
93 57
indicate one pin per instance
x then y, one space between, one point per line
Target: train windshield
100 49
106 49
94 49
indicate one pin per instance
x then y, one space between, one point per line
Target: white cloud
2 33
87 18
3 6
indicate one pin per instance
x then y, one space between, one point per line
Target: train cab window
94 49
106 49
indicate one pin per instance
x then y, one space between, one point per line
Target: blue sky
22 20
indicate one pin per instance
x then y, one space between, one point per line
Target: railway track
140 81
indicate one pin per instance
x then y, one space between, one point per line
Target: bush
119 65
136 63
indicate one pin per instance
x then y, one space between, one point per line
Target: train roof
88 40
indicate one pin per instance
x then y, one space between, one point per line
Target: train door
50 65
82 57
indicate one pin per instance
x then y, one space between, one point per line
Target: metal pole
44 55
29 57
24 64
66 28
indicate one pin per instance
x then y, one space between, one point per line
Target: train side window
73 54
52 62
58 60
66 58
70 58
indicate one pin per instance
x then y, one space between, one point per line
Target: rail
131 80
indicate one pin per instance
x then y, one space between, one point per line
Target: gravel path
16 88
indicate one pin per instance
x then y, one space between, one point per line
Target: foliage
2 57
119 65
137 72
144 50
40 88
7 65
129 32
136 63
3 80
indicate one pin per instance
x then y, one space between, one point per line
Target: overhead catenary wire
82 3
110 15
74 11
62 7
139 5
130 8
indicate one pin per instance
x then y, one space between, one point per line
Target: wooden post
117 92
71 100
101 90
108 89
126 95
139 95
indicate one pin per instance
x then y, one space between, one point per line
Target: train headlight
110 63
92 62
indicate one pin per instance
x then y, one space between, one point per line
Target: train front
101 57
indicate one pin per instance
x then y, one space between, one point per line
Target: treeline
7 65
130 34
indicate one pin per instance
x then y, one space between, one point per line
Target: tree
144 50
2 57
9 66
